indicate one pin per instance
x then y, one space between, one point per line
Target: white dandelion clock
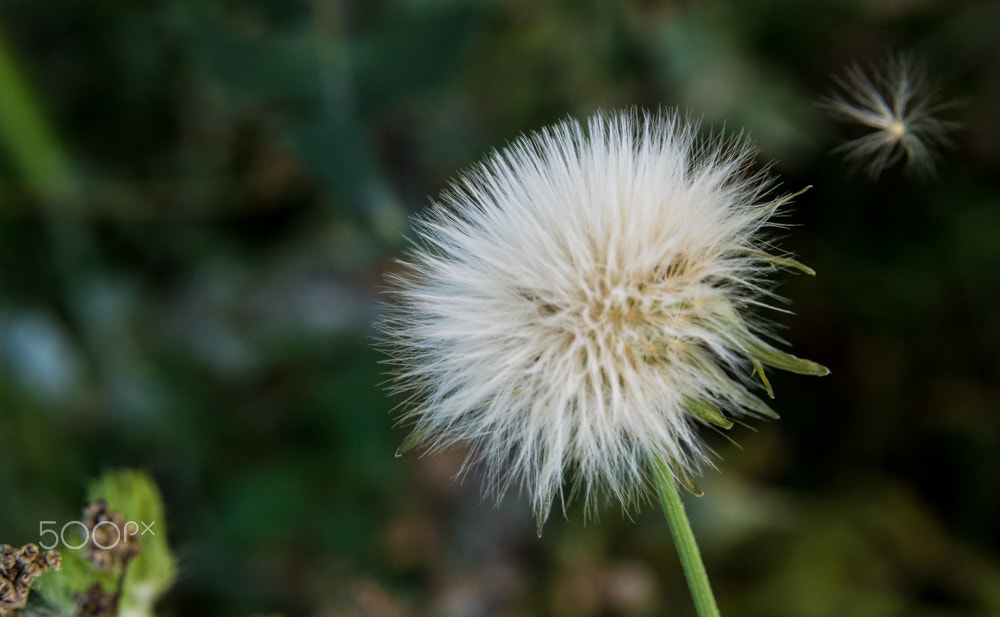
895 107
580 302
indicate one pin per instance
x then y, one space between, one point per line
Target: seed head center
897 129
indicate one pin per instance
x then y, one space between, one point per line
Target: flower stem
687 548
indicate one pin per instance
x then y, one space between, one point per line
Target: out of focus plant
123 564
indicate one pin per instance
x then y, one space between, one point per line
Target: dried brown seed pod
111 541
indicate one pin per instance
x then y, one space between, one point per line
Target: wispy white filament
581 300
896 109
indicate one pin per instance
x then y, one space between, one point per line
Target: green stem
687 548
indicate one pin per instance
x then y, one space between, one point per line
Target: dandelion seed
896 107
580 302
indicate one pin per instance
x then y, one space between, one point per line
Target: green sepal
685 478
542 512
752 402
736 392
763 409
668 470
540 517
771 206
782 262
707 412
765 353
763 378
408 444
414 439
774 357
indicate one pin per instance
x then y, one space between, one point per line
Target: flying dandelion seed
897 108
577 304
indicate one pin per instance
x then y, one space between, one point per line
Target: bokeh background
199 201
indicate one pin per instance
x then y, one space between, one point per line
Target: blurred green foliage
198 202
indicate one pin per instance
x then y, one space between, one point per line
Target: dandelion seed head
581 301
895 106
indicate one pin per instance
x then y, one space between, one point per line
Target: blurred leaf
28 136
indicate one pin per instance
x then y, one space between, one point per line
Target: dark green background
193 237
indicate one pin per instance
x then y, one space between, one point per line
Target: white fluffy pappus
578 303
895 106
